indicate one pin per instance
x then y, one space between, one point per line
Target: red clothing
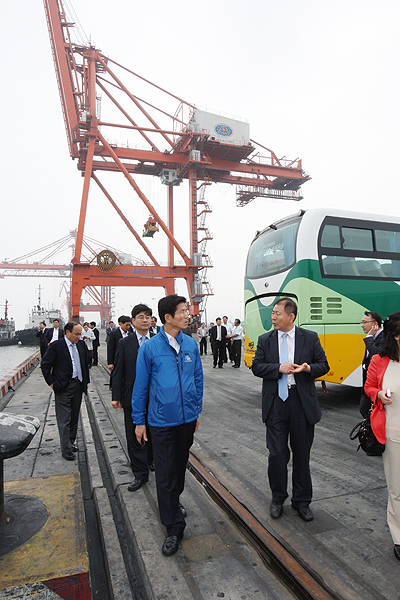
373 385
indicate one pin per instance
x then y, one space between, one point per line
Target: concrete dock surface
347 546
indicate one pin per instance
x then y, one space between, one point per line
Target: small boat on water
7 329
38 314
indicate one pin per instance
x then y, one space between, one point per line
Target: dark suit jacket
48 334
124 373
96 342
372 346
41 334
213 334
112 343
57 365
266 365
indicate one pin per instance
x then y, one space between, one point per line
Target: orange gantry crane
177 142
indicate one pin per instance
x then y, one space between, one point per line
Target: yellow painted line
59 548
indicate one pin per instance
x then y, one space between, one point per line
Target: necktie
283 357
143 339
77 361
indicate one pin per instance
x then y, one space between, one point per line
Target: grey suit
295 417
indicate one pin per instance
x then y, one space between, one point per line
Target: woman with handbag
383 387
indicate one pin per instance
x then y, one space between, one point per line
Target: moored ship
7 329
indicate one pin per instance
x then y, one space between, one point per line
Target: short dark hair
391 328
153 317
86 323
224 317
69 326
44 323
110 322
238 320
374 316
218 319
290 305
168 305
141 308
58 320
124 319
93 323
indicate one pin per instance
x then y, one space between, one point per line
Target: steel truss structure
175 151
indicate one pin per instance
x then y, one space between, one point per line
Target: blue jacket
173 383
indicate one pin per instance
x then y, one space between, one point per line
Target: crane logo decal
223 130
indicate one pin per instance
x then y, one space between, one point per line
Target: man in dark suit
288 359
124 374
218 342
153 325
65 369
110 328
123 330
42 338
374 341
52 334
96 343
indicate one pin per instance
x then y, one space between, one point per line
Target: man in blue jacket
169 377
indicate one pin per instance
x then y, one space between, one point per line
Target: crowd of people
157 380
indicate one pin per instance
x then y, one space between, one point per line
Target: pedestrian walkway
44 545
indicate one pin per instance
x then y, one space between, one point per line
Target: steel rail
301 582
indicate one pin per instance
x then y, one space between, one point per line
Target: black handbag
366 437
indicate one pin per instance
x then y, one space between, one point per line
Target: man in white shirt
237 336
228 343
54 333
88 337
203 333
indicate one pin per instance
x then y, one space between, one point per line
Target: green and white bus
335 264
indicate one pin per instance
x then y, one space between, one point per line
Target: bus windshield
272 252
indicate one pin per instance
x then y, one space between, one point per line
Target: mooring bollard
16 433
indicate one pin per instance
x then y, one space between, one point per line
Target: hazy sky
315 80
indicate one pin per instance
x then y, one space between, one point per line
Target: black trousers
228 348
95 355
203 345
236 352
287 419
140 455
171 452
218 353
68 404
365 404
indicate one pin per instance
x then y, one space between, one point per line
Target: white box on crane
220 128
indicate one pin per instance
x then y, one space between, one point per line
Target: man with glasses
124 374
374 341
169 386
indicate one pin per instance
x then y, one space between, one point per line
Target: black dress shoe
182 509
396 550
171 544
151 466
136 484
68 455
275 510
305 513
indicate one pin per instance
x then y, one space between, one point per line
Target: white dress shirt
290 340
